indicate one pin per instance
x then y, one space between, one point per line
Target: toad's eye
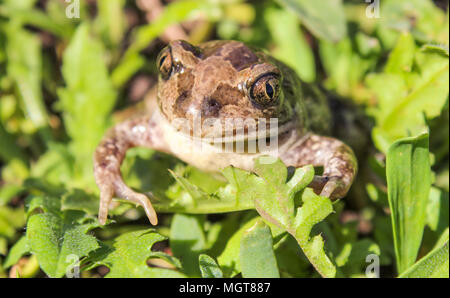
165 63
265 90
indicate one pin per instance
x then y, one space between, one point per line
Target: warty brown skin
223 80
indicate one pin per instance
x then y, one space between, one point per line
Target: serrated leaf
291 260
273 198
55 238
126 256
198 193
409 180
88 97
314 209
209 267
256 253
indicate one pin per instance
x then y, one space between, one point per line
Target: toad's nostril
210 107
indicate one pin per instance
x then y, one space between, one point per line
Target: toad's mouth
232 130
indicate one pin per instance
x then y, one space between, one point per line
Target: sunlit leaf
325 18
256 252
88 97
209 267
408 180
435 264
55 239
126 256
187 241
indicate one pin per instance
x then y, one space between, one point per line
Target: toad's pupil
162 60
269 90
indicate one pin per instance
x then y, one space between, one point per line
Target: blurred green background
66 75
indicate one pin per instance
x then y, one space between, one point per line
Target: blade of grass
409 180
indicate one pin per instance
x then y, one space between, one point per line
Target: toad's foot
109 156
337 159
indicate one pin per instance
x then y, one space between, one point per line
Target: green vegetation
65 81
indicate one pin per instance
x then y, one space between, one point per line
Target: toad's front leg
337 159
109 156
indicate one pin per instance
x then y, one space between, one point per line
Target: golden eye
264 92
165 63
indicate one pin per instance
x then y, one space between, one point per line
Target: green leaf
229 259
438 210
273 198
325 18
9 149
345 67
256 252
80 200
19 249
314 209
24 4
402 57
291 260
187 241
23 50
55 238
197 192
126 256
111 20
403 91
291 46
45 204
434 265
429 23
88 97
38 18
173 13
209 267
356 252
409 180
10 220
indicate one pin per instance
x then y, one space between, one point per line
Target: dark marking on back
241 57
212 49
